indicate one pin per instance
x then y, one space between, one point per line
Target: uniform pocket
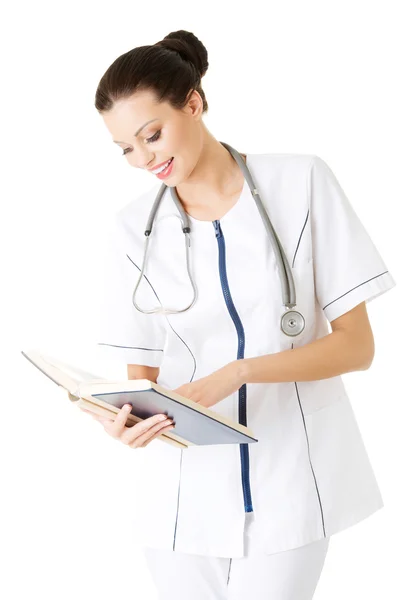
314 395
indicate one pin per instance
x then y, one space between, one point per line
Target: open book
195 425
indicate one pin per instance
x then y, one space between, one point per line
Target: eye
155 137
152 139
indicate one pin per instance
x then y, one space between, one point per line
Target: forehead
130 114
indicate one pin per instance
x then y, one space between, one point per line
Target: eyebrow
138 131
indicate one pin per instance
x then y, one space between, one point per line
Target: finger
142 441
117 427
143 430
158 434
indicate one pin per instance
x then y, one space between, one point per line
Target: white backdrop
313 77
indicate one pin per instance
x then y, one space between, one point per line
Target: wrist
239 368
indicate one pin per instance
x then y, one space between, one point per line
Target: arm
143 372
350 347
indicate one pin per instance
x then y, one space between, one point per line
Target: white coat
309 475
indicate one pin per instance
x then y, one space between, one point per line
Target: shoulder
284 170
126 227
283 161
285 176
130 221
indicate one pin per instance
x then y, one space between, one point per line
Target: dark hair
171 69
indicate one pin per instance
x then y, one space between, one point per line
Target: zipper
244 448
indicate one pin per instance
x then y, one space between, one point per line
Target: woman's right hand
137 436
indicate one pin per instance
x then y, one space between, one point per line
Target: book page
76 373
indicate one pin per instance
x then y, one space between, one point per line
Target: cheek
183 138
185 145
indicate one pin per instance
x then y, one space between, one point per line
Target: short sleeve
348 268
124 332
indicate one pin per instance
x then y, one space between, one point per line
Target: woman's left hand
210 390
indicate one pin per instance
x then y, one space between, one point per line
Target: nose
143 160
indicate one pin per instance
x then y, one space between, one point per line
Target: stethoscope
292 322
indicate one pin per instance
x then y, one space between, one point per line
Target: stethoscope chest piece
292 322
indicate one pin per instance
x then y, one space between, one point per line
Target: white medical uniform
309 475
290 575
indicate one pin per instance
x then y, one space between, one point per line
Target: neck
215 179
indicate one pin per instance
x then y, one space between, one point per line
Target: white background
305 77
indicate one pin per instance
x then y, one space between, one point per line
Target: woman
234 521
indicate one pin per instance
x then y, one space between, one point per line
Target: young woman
234 521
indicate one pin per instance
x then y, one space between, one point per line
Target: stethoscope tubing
292 322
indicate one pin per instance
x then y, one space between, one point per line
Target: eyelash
154 138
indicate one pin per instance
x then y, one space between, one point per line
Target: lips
166 172
160 165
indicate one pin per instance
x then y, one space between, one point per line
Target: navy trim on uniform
229 572
131 347
177 507
298 243
183 341
380 275
309 457
242 392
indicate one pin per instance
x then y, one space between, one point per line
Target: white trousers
289 575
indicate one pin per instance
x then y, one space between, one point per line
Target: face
172 133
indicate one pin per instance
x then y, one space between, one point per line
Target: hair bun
189 47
